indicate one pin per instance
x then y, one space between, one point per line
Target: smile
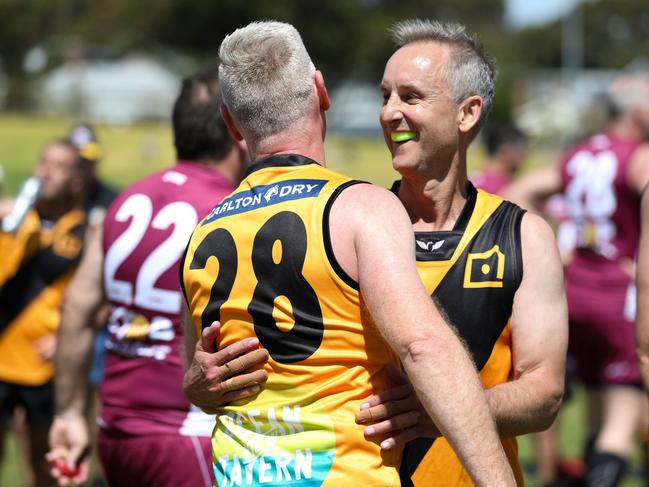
402 136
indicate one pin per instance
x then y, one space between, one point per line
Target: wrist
69 414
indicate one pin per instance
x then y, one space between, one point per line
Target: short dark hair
199 130
497 134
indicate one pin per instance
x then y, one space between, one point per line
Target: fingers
235 350
395 424
400 438
245 362
368 411
243 381
242 393
65 470
210 336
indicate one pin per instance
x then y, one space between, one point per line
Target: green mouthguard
402 136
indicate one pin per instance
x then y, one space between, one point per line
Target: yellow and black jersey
261 262
472 273
36 266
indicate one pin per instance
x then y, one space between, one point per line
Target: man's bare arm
539 327
534 188
83 299
642 280
441 372
69 438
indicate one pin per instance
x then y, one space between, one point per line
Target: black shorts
38 402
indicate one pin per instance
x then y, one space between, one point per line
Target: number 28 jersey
145 233
262 264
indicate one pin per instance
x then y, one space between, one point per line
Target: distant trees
345 37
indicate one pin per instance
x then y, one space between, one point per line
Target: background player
602 178
35 268
317 244
148 433
507 149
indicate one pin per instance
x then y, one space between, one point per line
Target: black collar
471 197
279 160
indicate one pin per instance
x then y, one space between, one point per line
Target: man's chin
401 163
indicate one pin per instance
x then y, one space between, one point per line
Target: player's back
603 210
145 233
275 277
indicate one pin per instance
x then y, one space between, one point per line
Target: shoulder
535 229
538 244
367 199
369 209
638 169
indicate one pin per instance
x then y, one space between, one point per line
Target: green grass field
134 151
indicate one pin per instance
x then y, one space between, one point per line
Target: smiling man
300 257
492 269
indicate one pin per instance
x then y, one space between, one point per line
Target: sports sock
605 469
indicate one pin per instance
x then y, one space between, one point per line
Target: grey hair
266 77
471 71
629 91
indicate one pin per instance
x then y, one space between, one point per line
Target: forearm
436 369
525 405
643 358
74 352
642 334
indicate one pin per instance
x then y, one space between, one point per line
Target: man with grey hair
602 179
493 270
320 270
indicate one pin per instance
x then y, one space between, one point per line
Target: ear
469 113
230 124
321 90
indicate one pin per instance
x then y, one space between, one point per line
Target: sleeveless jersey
36 265
262 264
145 233
603 211
472 274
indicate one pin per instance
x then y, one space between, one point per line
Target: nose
390 112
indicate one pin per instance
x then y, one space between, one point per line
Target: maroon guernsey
145 233
490 180
603 227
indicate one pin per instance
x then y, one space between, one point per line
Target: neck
434 203
231 166
53 210
306 137
626 128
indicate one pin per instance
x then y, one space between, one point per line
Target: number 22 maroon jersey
145 233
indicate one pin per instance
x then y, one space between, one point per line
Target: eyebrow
407 86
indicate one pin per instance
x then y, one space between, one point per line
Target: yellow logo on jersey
68 246
485 269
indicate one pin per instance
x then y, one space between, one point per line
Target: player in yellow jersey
292 257
494 270
36 263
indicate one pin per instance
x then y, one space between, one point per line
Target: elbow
642 352
552 406
548 409
419 351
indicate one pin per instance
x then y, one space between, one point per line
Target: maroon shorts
156 460
602 339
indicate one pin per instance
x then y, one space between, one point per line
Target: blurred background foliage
346 37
